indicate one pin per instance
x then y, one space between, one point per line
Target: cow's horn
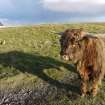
60 33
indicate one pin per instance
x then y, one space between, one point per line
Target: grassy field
29 58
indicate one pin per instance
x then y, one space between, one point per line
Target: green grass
30 55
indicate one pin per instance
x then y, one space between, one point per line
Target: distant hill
1 24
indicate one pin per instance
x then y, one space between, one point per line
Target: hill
1 24
31 71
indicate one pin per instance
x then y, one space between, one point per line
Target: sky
18 12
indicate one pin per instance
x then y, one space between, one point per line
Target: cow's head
70 46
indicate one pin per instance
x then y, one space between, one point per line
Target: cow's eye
72 40
79 45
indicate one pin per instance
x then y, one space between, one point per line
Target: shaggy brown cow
88 52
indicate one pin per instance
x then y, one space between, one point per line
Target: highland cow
88 53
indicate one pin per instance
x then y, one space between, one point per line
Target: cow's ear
84 40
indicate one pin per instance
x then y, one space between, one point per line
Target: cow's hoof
94 94
83 95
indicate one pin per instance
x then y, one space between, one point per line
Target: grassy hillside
29 59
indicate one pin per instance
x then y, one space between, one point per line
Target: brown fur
88 52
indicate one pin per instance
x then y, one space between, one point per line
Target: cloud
79 7
21 9
51 11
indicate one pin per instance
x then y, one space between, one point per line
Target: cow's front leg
84 77
95 87
83 88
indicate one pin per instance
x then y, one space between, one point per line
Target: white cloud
90 7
